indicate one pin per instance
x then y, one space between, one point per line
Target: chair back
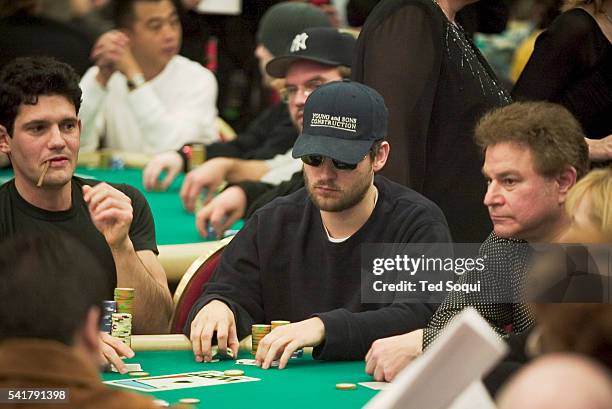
189 288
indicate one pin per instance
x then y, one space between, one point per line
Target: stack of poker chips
275 324
125 300
108 309
121 327
105 158
297 354
259 331
197 155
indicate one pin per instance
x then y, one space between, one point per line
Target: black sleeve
142 229
231 149
253 191
496 263
267 193
271 133
239 264
348 336
398 53
558 56
590 97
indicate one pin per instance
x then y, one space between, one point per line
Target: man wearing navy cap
298 258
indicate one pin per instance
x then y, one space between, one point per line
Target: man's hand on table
204 179
286 339
388 356
110 211
171 162
225 209
217 317
111 351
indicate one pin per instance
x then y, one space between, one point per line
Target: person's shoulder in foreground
42 347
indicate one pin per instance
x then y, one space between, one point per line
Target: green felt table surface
304 383
173 224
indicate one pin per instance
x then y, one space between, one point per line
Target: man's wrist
419 335
122 246
320 331
103 77
135 80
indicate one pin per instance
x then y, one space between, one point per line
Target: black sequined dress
436 85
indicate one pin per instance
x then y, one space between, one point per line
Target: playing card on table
245 362
130 368
377 386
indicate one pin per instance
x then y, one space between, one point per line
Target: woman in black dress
436 85
572 65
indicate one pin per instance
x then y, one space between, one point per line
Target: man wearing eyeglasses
298 258
316 56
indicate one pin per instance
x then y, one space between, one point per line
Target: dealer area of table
305 383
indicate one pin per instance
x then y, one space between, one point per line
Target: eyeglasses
317 160
290 91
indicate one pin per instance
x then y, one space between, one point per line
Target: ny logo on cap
299 42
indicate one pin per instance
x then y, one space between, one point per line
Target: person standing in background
572 65
436 85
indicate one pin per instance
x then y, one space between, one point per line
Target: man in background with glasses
315 56
298 258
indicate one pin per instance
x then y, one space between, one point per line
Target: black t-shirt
270 134
19 217
281 265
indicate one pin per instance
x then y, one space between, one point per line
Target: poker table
178 240
304 383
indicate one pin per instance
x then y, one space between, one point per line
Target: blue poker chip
117 164
210 232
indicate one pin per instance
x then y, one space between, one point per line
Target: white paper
231 7
461 355
130 368
250 362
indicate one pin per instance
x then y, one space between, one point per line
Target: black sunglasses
316 160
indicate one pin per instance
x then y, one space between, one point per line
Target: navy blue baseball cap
342 119
325 45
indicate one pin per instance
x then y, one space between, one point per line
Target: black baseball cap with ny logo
325 45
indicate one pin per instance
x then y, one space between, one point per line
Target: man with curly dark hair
40 134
